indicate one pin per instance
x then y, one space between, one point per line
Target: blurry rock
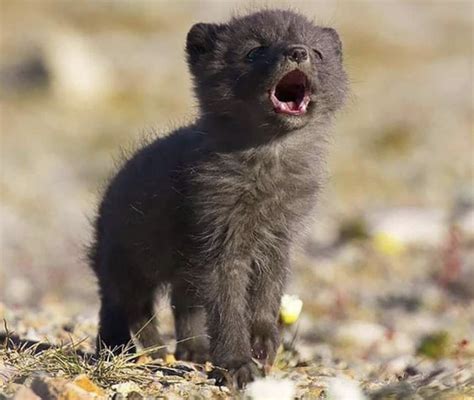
465 222
459 376
419 323
344 389
319 352
25 394
359 333
79 72
271 389
123 390
48 388
396 343
411 370
410 302
410 225
350 254
457 272
86 384
399 365
432 298
393 140
463 212
18 290
353 229
134 396
397 391
26 74
74 392
462 287
325 231
309 329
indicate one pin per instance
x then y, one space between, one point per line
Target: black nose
297 54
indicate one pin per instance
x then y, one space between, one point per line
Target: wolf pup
213 210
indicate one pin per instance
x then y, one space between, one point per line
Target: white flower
290 309
271 389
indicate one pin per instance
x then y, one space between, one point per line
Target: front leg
265 297
190 323
226 288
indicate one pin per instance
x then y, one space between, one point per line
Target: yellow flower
388 244
290 309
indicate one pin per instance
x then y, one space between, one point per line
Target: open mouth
291 94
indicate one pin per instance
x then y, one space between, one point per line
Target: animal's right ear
336 41
201 40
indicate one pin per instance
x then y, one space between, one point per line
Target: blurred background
390 257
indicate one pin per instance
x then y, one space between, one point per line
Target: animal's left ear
335 40
202 39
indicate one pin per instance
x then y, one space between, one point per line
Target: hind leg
127 304
114 331
144 326
190 323
137 316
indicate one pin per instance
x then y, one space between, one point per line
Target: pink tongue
292 105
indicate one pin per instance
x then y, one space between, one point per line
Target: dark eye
318 54
255 53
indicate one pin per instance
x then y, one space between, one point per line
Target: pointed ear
202 39
335 40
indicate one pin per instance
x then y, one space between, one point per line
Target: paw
160 352
195 350
245 374
237 375
264 342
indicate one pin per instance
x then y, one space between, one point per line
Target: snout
297 54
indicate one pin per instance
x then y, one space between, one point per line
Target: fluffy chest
255 197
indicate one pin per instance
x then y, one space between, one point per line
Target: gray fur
214 209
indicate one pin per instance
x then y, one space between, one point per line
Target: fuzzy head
272 68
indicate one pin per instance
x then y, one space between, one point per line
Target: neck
227 134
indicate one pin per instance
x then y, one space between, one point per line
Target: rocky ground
386 276
382 319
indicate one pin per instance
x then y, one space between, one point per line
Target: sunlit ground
388 269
